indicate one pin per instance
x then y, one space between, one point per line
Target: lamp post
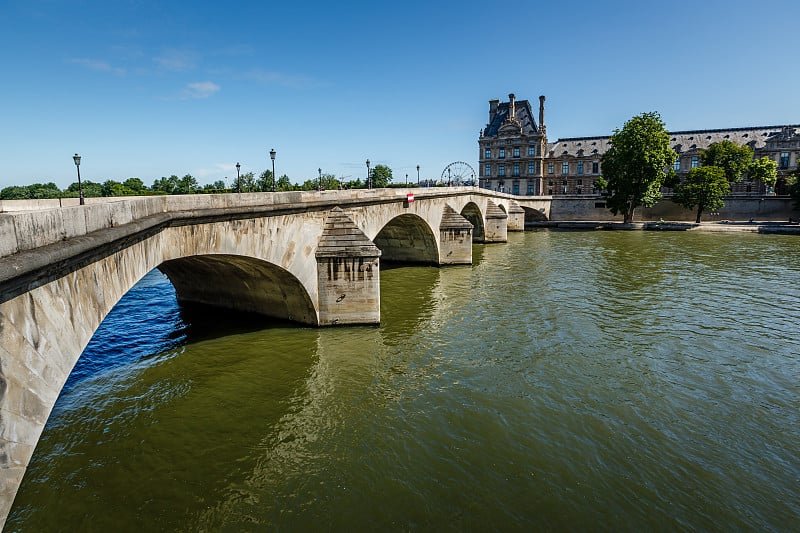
369 179
238 179
272 156
319 181
417 175
406 179
77 160
448 177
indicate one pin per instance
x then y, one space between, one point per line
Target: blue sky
148 89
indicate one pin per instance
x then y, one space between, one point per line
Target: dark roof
524 115
681 141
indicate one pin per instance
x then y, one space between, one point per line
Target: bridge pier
516 217
455 239
496 229
348 274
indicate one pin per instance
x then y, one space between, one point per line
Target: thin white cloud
98 65
176 60
200 89
270 77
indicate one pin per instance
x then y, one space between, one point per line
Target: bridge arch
244 283
407 238
473 213
534 215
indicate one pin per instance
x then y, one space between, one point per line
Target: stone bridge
309 257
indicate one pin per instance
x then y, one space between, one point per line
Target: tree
90 189
764 170
704 188
187 185
635 165
283 184
136 185
264 182
166 185
730 157
793 182
381 176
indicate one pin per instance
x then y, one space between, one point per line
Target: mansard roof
681 141
523 114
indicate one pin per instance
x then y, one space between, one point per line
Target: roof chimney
541 112
493 105
512 109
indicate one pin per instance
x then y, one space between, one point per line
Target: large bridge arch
408 238
241 282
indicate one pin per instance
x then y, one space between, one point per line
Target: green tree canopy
166 185
704 188
90 189
732 158
764 170
284 184
264 181
381 176
635 164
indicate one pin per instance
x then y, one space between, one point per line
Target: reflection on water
564 381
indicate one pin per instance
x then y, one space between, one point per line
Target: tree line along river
565 380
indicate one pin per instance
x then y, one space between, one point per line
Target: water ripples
564 381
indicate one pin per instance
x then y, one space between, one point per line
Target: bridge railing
34 224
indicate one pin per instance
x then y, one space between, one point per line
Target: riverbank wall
760 208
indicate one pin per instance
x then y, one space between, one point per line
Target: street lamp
272 156
238 179
319 181
369 179
448 177
417 175
406 179
77 160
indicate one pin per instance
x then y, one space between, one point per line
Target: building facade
515 156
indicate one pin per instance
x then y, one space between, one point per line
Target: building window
516 151
579 183
784 162
532 150
530 188
550 191
516 169
564 186
531 168
502 154
501 169
550 183
551 168
595 167
487 154
580 167
564 167
677 165
515 188
695 161
487 171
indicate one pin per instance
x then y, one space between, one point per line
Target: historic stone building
515 156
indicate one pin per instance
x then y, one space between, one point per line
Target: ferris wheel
458 173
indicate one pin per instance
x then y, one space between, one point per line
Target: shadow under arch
407 239
533 215
241 283
473 213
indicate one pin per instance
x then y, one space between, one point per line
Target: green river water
565 381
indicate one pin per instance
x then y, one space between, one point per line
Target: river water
566 380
